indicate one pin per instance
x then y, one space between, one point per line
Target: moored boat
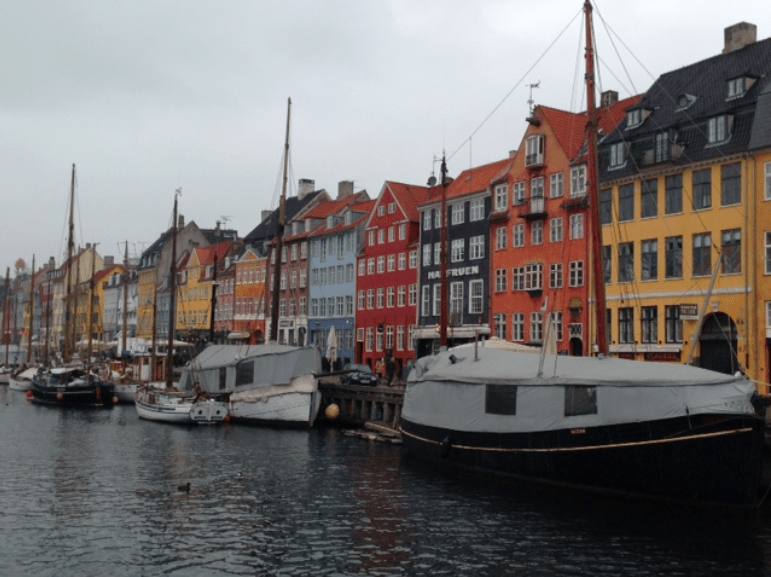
155 404
22 380
72 387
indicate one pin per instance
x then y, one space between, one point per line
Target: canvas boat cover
453 395
273 365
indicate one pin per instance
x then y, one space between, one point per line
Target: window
501 276
391 263
413 295
536 327
768 252
702 254
650 330
580 400
519 193
617 155
371 266
674 257
626 262
768 181
402 260
282 308
534 149
402 295
702 189
390 297
518 327
536 195
361 300
476 295
650 259
501 197
500 238
457 213
576 226
477 209
437 252
717 129
437 219
577 273
633 118
456 302
556 318
674 325
626 203
413 259
379 340
606 206
304 277
732 184
536 232
391 234
534 276
555 229
661 151
650 198
500 325
370 299
555 276
737 87
427 254
370 338
626 325
437 300
426 221
578 180
381 236
457 250
348 273
391 207
380 298
518 278
518 235
732 251
402 236
426 301
410 337
476 248
556 185
674 194
314 307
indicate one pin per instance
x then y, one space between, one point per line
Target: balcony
534 160
575 203
533 209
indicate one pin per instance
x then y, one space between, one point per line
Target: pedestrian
379 369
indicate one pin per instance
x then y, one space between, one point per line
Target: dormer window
718 129
738 87
633 118
348 217
534 150
617 155
330 222
685 101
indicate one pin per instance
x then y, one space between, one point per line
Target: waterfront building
250 274
224 316
114 289
335 237
387 277
685 187
540 242
469 203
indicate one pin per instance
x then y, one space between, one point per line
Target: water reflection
95 493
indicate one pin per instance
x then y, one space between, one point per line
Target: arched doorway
718 344
576 347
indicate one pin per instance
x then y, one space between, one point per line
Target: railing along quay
359 405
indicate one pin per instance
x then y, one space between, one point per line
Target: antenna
225 218
530 100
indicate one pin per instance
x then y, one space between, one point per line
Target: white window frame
476 292
576 226
476 209
458 213
501 197
555 229
556 185
578 181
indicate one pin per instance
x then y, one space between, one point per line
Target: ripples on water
94 493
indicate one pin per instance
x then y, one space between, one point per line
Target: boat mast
280 236
213 300
125 297
172 291
6 310
91 302
49 297
443 260
593 186
31 310
77 297
70 250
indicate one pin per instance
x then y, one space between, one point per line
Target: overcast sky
148 96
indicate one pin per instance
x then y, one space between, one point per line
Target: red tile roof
471 181
408 196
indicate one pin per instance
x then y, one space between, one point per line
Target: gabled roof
407 197
364 207
267 228
569 128
471 181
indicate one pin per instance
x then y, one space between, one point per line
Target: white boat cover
274 365
453 396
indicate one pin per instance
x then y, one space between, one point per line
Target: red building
387 277
540 238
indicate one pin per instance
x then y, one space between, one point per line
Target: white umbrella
332 345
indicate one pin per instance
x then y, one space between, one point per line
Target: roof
408 196
363 207
471 181
268 227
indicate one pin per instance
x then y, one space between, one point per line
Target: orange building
249 298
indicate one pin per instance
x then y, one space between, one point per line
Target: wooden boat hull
93 394
706 458
291 409
155 406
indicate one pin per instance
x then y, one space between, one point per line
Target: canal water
95 493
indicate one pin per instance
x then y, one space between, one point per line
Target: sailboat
167 403
74 383
268 384
673 432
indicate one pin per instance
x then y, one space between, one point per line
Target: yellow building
685 185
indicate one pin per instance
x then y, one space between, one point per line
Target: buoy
29 394
226 419
59 396
115 400
332 412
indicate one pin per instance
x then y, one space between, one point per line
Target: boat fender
115 400
445 446
60 396
29 394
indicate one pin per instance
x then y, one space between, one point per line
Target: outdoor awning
239 335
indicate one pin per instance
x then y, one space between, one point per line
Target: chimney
305 186
51 263
88 245
265 214
739 35
109 261
608 98
512 153
344 189
180 221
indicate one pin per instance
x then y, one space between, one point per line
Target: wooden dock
359 405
